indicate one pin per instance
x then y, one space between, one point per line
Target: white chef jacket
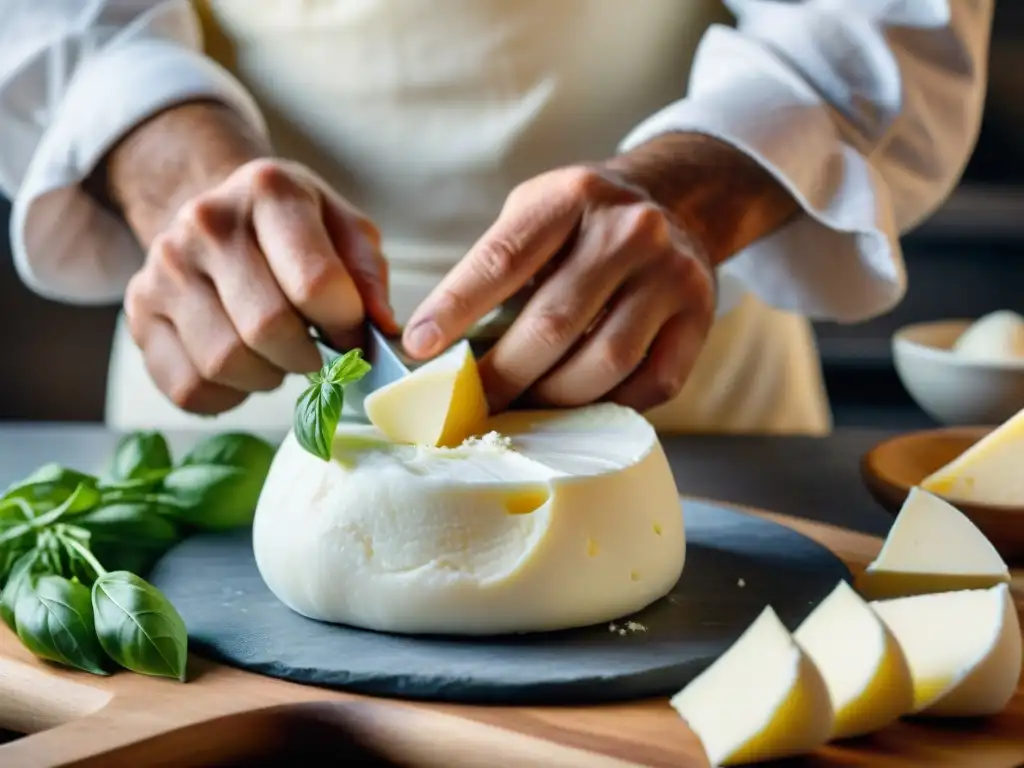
426 112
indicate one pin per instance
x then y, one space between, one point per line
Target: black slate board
234 618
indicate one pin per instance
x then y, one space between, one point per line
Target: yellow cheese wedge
862 664
762 699
932 547
988 472
439 404
963 648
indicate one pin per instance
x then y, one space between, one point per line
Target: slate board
234 618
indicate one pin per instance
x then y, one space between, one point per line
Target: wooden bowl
893 467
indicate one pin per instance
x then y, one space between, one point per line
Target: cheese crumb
741 583
628 628
492 440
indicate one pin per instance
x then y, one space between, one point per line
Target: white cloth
425 113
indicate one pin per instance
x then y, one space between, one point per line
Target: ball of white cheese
996 337
552 520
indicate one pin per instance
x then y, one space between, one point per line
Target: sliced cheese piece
863 666
440 403
932 547
988 472
963 648
762 699
549 520
997 337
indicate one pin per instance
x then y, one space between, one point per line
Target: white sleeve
74 78
865 110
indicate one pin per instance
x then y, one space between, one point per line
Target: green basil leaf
27 564
317 413
128 536
139 456
213 497
346 368
138 627
51 485
233 449
54 620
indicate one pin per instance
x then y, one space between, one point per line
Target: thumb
357 241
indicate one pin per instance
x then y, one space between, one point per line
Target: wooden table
224 715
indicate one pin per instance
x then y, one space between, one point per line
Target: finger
530 230
288 221
212 344
615 347
357 241
556 316
671 358
173 373
257 308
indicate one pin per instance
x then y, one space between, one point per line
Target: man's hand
624 255
244 254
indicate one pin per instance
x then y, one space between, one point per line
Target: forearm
722 196
172 157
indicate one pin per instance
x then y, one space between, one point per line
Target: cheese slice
440 403
988 472
863 666
963 649
762 699
932 547
546 521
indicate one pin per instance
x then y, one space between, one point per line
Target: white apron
425 113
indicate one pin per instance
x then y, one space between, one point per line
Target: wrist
172 157
718 193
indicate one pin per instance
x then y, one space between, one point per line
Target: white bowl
951 389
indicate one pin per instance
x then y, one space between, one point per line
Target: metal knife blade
387 364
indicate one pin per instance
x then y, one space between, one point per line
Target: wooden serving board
223 716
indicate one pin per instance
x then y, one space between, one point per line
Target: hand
621 315
622 255
232 282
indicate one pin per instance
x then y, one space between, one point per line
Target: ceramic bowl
893 467
951 389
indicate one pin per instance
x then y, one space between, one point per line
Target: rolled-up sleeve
865 110
74 78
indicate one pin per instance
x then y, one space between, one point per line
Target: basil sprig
318 409
72 546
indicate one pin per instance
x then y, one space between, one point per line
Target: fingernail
424 338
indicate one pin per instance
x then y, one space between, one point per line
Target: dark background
965 261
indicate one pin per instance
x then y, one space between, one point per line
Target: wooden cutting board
227 717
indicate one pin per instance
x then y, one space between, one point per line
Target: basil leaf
128 536
139 456
318 408
26 565
54 620
51 485
138 627
317 413
234 449
213 497
82 499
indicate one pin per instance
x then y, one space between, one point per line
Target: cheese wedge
440 403
863 666
549 520
762 699
963 649
932 547
988 472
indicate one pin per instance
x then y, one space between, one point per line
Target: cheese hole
634 576
657 528
593 549
526 501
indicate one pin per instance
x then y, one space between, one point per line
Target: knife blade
387 364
